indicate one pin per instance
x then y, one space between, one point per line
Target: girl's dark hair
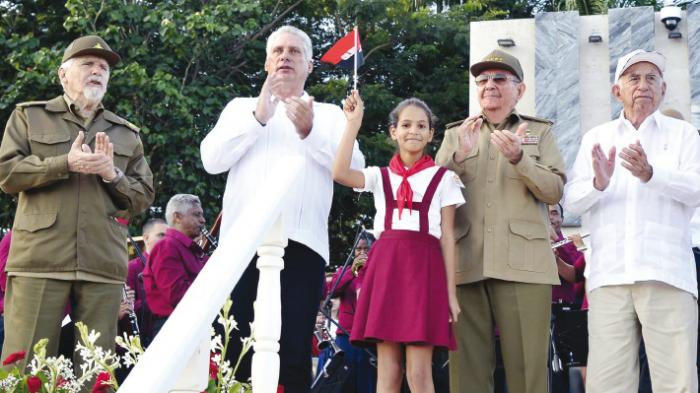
413 101
368 237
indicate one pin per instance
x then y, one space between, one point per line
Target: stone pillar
557 93
693 14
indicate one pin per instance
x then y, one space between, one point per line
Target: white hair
305 40
65 66
180 203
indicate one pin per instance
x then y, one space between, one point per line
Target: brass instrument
323 336
358 264
577 239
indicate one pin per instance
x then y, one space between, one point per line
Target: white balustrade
268 312
162 368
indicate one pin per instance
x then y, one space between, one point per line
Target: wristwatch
116 178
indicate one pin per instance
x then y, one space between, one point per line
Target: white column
268 312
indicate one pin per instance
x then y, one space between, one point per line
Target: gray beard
94 95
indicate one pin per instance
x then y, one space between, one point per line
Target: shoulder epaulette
131 126
31 103
453 124
116 119
536 119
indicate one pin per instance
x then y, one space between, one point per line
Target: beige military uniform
505 266
66 240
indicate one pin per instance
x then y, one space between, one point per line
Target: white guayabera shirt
246 149
639 231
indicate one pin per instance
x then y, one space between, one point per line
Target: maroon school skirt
404 293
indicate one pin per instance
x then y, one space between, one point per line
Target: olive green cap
91 45
500 60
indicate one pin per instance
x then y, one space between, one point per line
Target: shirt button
489 230
488 204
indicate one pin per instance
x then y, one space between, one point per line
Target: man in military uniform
511 169
76 169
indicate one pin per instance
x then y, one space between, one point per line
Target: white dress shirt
695 228
243 147
639 232
448 193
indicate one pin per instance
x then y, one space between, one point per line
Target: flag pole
357 52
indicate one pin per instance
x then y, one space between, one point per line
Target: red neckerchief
404 195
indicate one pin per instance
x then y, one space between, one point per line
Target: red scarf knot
404 195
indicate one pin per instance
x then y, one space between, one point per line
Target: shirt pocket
604 258
525 242
663 246
49 144
34 222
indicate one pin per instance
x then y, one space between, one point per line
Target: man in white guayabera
636 183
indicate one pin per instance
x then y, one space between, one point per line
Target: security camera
670 16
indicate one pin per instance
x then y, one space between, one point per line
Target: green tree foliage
183 60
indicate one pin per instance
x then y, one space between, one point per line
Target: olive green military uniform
67 245
505 266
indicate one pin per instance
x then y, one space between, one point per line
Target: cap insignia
98 46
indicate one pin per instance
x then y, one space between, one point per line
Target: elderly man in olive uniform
76 168
511 169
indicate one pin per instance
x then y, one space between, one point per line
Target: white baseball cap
638 56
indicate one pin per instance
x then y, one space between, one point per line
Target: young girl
408 294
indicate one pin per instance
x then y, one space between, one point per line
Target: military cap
91 45
500 60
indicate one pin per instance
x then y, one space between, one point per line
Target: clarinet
212 240
132 315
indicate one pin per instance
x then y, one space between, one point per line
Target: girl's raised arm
342 173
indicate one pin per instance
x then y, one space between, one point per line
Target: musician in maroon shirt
176 259
566 257
153 230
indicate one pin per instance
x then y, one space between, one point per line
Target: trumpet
323 336
576 238
358 264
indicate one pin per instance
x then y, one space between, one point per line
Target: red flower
213 368
33 384
60 381
14 357
102 383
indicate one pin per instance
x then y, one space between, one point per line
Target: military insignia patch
530 139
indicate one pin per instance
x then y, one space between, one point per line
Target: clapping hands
81 159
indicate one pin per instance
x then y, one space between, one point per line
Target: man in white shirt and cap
636 184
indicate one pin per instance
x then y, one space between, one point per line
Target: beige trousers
619 316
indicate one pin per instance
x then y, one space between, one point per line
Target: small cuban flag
346 53
343 52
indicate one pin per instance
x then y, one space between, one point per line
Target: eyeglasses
499 79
